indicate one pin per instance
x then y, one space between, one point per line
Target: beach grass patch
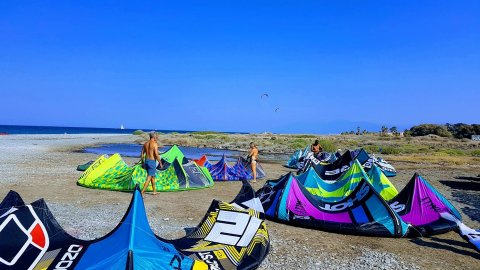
298 143
388 150
206 132
327 145
475 153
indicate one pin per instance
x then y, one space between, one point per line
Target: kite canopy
386 167
229 237
85 166
421 205
173 153
114 174
334 191
362 212
327 157
330 167
296 161
334 170
359 203
12 199
381 183
293 160
222 171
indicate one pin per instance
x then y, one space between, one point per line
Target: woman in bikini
253 160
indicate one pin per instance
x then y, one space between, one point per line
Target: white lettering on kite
234 228
68 258
349 203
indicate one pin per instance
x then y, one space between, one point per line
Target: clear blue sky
203 65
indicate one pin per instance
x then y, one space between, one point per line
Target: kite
222 171
231 236
362 212
177 174
331 171
363 204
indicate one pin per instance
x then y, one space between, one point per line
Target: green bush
461 130
327 145
210 136
453 152
371 148
298 143
427 129
225 138
475 152
138 132
304 136
206 132
388 150
412 149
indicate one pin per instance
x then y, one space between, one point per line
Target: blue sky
203 65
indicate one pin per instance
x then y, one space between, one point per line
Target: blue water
71 130
133 150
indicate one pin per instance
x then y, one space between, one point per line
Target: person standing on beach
149 158
316 148
253 155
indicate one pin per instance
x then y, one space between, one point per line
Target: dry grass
434 159
431 148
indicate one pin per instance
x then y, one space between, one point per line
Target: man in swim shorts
149 158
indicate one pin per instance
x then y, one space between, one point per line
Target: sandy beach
44 166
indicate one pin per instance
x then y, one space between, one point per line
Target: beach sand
44 166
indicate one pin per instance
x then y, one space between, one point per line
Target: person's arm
142 155
157 156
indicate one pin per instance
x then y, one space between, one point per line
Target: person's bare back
150 148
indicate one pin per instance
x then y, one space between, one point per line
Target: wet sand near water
44 166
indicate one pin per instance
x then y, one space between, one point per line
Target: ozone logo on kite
27 239
349 203
69 257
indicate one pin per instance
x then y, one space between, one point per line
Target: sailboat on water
122 127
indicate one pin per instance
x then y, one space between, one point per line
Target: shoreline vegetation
429 148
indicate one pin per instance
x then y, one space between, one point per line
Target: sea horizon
38 130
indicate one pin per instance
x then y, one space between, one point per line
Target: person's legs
254 171
151 171
154 187
146 184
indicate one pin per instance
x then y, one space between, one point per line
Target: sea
133 150
14 129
